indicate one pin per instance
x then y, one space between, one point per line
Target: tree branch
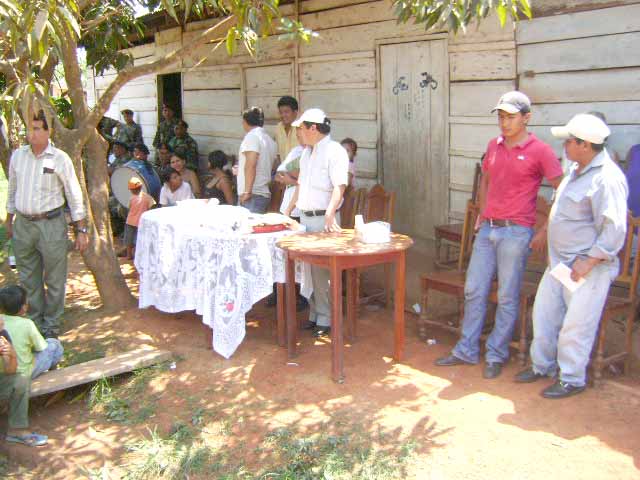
49 69
9 71
91 24
73 77
133 72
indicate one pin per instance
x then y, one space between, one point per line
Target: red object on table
338 252
278 227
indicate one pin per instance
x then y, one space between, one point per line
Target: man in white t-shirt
257 155
324 175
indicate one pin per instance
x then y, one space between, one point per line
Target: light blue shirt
589 215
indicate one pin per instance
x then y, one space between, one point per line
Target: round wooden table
338 252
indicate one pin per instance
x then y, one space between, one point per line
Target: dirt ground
463 427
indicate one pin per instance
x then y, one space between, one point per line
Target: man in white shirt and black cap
324 175
587 227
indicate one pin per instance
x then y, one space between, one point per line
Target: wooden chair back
542 215
477 175
629 266
379 205
466 243
347 211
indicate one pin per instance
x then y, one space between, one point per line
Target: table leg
337 341
351 305
290 298
399 306
281 319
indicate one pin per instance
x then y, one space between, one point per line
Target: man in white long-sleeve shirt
324 175
41 177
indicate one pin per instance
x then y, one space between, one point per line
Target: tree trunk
99 256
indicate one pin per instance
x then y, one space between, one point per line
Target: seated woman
218 184
174 189
179 164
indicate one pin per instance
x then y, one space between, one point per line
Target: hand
582 267
476 226
5 347
287 212
82 241
8 225
539 241
234 170
330 224
244 198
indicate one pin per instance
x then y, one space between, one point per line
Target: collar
48 151
531 138
322 142
595 162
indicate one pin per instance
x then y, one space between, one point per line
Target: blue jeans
496 249
256 204
565 324
47 358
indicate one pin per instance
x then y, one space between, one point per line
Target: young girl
139 203
178 163
351 147
174 189
218 185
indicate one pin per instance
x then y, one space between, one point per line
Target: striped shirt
40 184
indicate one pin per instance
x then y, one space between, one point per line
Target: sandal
30 439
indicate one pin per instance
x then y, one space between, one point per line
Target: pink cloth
139 204
515 175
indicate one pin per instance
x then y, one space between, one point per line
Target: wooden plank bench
91 371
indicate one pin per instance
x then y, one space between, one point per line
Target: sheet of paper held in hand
562 273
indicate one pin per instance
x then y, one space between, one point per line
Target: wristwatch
81 230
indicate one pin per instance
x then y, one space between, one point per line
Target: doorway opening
170 92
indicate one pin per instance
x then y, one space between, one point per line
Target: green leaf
231 41
502 14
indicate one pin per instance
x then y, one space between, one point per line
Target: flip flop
30 439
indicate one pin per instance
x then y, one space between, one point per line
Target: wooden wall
566 63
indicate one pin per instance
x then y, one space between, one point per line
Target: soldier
184 145
121 155
105 128
166 129
129 132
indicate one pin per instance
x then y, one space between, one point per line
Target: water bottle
10 257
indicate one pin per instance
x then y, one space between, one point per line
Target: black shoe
309 325
561 389
492 370
450 361
528 376
322 332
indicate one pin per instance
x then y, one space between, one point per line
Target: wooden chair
620 306
379 205
452 283
352 205
452 233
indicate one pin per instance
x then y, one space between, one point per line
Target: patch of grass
73 354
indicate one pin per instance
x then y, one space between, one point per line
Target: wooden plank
559 7
138 91
316 5
366 160
199 123
211 78
581 54
169 35
594 86
617 113
473 99
356 38
579 25
94 370
458 200
489 30
207 144
349 15
462 169
472 137
488 120
340 101
492 65
276 78
202 101
350 71
482 46
337 57
146 50
139 104
268 103
360 130
333 86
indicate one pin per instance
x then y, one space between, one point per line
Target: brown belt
497 222
43 216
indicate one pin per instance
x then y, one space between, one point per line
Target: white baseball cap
513 102
585 127
312 115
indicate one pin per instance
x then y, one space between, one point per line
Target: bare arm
225 187
250 166
330 224
8 355
292 203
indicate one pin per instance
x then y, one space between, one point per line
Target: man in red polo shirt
513 168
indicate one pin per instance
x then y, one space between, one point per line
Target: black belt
43 216
313 213
497 222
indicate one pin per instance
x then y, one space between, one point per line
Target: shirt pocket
577 205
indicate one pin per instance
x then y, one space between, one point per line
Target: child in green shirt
35 354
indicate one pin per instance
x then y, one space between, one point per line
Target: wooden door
414 112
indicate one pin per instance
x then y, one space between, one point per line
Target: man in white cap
324 175
587 228
512 170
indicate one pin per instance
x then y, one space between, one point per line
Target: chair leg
631 313
358 274
438 250
522 345
387 284
598 365
422 319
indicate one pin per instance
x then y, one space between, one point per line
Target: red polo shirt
515 175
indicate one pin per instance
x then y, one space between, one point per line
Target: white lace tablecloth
186 264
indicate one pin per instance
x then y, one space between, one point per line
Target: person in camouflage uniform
121 155
166 129
129 132
105 128
185 146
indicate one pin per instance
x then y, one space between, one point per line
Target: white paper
562 273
